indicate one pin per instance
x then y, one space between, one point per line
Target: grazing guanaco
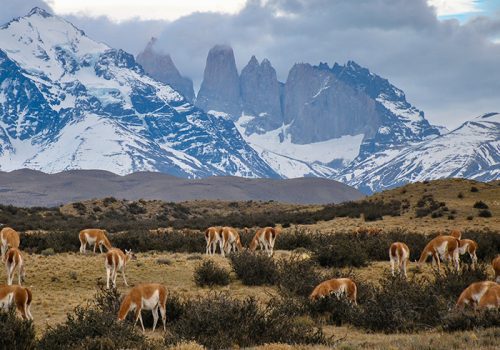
147 296
13 259
337 286
19 296
116 261
490 299
213 237
456 233
265 239
496 268
230 240
441 248
468 246
9 238
399 255
93 236
473 293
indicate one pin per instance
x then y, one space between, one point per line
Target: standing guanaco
230 240
13 259
265 239
441 248
213 237
19 296
93 236
468 246
9 238
116 261
337 286
399 255
147 296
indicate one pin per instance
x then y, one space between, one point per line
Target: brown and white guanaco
14 260
441 248
9 238
213 238
265 239
147 296
473 293
399 255
93 236
230 240
338 287
468 246
19 296
496 267
116 260
490 299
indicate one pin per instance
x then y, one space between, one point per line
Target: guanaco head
130 255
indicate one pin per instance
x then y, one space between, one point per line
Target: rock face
220 89
69 102
260 96
162 68
319 107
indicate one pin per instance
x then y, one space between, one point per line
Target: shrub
480 205
339 251
474 189
16 333
460 195
135 208
253 268
470 217
220 322
467 319
485 213
48 252
450 283
297 276
209 274
94 327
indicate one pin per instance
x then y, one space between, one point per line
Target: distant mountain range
27 187
69 102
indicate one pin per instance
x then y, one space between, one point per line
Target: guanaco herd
153 296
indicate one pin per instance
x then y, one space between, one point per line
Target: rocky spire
220 89
162 68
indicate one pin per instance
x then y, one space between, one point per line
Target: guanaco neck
124 307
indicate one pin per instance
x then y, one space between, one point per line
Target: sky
445 54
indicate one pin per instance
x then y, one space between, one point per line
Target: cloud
454 7
447 68
11 8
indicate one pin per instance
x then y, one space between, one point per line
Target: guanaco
14 260
265 239
468 246
9 238
19 296
148 296
456 233
213 237
230 240
93 236
490 299
337 286
116 261
473 293
399 255
441 248
496 267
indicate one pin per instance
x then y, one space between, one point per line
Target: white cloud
121 10
454 7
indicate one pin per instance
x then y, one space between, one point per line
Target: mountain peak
253 61
39 11
489 115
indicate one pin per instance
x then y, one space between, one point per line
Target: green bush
339 251
16 333
450 283
468 319
297 276
253 269
209 273
485 213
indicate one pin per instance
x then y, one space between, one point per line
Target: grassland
60 282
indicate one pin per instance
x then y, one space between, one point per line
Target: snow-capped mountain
69 102
319 120
470 151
